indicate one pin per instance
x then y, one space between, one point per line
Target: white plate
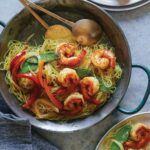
138 118
120 5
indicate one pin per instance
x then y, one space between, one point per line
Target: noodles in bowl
130 136
61 80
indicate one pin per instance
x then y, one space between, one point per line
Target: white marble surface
136 26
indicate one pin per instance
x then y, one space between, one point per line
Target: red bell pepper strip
30 76
56 102
34 94
18 56
95 101
113 63
36 90
65 91
144 133
16 68
60 91
43 84
108 54
15 64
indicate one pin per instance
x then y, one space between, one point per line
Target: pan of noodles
56 83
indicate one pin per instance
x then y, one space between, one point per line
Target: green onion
48 57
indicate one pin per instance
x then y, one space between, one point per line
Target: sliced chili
51 96
30 76
15 60
16 68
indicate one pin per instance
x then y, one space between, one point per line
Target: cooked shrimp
74 102
140 137
134 135
68 57
103 59
68 77
89 87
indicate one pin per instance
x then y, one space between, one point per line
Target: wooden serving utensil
85 31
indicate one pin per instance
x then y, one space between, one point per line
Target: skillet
23 25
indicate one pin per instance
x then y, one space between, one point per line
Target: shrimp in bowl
103 59
68 77
68 56
89 87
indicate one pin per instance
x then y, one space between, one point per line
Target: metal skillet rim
121 8
97 121
120 122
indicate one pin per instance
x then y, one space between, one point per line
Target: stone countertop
136 26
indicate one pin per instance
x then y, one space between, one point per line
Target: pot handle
2 24
142 103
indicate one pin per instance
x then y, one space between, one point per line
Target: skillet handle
2 24
142 103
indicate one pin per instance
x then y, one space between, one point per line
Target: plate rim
122 8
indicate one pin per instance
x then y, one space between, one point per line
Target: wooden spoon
85 31
53 32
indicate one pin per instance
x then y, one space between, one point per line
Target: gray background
136 26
